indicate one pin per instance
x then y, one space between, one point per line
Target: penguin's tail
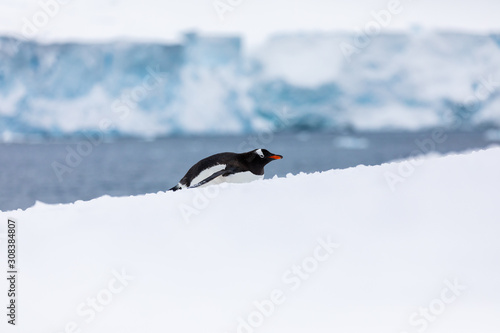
175 188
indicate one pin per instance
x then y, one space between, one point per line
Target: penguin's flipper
225 172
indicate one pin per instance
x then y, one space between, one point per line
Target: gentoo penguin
227 167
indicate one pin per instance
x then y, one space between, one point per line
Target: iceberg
213 85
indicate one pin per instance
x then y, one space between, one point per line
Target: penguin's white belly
240 177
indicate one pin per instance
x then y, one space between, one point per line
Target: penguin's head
263 156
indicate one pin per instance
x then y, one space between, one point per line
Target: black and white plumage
227 167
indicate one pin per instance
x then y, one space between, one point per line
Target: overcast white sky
165 19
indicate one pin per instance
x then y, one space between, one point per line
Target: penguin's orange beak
276 157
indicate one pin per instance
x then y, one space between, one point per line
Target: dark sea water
87 168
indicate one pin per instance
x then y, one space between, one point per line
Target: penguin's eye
259 152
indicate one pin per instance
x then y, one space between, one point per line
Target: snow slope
338 251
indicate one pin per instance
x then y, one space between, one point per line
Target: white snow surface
399 251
